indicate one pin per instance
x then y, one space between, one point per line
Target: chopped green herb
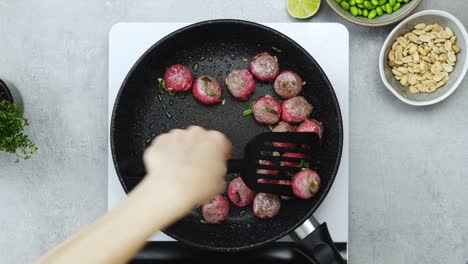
238 198
210 93
181 95
203 221
162 85
247 112
270 127
270 110
304 164
206 80
195 67
276 49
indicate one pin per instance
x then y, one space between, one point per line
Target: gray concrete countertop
409 179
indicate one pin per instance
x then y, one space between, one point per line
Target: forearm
117 236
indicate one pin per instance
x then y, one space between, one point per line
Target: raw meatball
241 84
295 110
292 163
266 205
216 210
239 193
264 67
283 127
311 125
288 84
178 78
207 90
266 110
305 184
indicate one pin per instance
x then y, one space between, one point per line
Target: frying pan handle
235 166
314 242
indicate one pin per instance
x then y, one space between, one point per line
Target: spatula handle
235 166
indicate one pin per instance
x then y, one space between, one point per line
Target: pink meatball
239 193
288 84
266 110
216 210
305 184
311 125
264 67
178 78
266 205
241 84
283 127
207 90
295 110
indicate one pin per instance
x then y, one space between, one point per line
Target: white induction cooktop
328 43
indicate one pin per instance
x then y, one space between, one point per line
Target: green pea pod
368 5
389 8
345 5
375 2
382 2
392 2
359 12
365 12
379 11
338 1
396 7
372 14
352 2
354 11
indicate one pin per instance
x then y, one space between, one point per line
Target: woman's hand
189 163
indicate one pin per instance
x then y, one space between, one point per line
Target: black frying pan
219 46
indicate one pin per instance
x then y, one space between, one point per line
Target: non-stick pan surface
218 47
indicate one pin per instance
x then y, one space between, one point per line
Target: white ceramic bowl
428 17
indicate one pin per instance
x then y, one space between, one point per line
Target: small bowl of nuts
425 57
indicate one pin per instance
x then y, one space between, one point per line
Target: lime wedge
303 8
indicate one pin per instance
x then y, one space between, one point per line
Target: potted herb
12 123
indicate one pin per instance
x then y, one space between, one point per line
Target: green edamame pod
354 10
372 14
361 6
359 12
359 2
392 2
396 7
338 1
368 5
365 12
382 2
375 2
345 5
352 2
389 8
379 11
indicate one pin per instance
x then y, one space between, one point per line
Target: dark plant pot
9 92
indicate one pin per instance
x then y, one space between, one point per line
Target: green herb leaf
270 110
161 85
304 164
210 93
206 80
195 67
276 49
247 112
203 221
12 137
238 198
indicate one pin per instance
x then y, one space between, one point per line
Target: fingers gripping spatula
264 161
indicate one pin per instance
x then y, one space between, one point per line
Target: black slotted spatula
264 160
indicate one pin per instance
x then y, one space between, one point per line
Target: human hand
190 164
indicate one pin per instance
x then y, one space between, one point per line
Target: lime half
303 8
